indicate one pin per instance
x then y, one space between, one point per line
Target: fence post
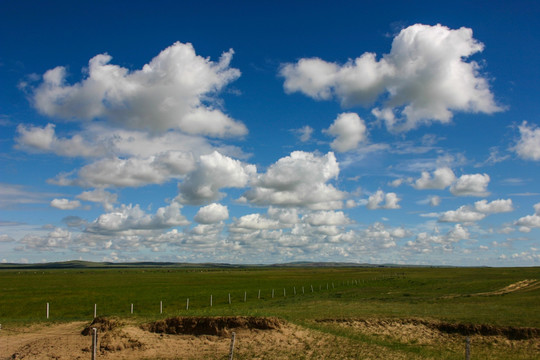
245 296
132 308
284 293
229 298
311 288
94 343
468 348
210 300
95 311
47 310
294 290
259 296
272 293
187 304
303 290
161 307
231 351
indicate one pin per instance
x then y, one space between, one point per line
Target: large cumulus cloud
300 179
424 78
176 90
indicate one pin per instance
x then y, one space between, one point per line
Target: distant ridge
78 264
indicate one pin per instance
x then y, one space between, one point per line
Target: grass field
490 296
438 293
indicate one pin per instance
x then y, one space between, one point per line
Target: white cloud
441 179
254 222
378 236
212 214
396 182
286 216
528 222
56 239
131 172
494 207
462 214
213 172
130 217
390 201
425 77
528 146
471 185
299 179
321 218
36 139
106 198
304 133
481 209
174 91
4 238
435 200
65 204
427 243
349 130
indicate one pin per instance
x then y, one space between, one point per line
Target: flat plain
321 312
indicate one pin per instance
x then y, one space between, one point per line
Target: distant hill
77 264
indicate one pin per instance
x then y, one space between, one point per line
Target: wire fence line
200 302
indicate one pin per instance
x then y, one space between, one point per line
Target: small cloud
65 204
375 201
349 130
304 133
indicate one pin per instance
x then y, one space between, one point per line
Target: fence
52 311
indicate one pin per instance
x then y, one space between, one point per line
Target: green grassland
446 294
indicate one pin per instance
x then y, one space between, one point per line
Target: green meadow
456 295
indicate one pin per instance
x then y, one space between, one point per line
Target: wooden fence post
231 351
132 308
161 307
94 343
187 304
229 298
95 311
259 296
245 296
210 300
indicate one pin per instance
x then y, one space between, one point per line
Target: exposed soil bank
510 332
211 325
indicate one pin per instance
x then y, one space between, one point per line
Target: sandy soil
124 340
255 338
524 285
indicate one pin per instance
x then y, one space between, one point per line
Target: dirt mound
211 325
510 332
102 324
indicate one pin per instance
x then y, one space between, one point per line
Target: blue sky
266 132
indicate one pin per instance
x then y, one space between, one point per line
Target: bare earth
256 338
